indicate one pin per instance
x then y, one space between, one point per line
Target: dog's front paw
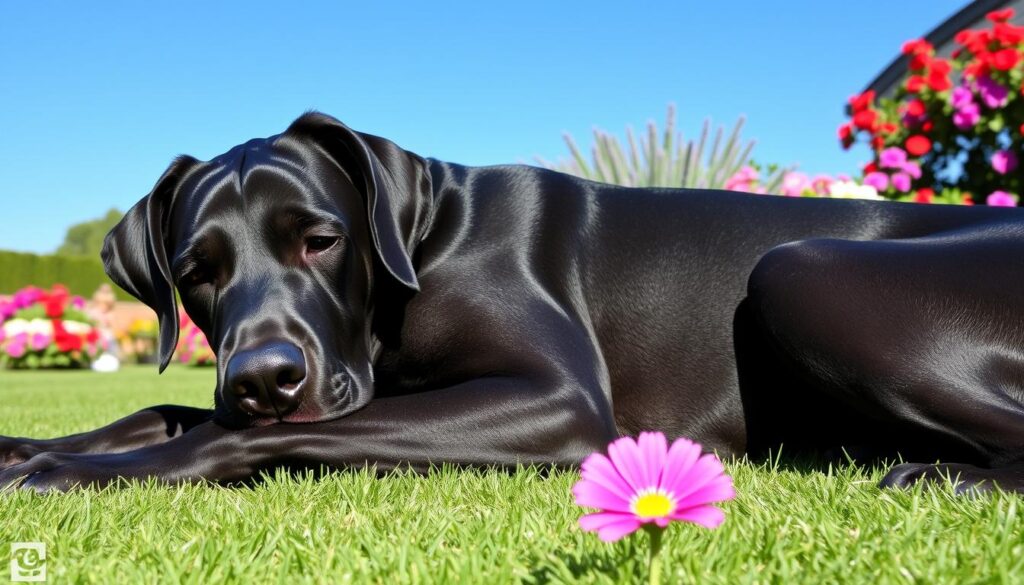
966 479
14 451
48 472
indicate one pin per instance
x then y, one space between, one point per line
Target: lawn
786 526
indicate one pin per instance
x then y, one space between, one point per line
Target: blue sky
97 97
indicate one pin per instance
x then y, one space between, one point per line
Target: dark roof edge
940 35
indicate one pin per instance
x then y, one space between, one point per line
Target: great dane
371 307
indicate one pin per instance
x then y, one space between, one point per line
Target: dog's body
369 306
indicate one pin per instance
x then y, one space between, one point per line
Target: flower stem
654 561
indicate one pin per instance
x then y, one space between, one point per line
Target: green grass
786 526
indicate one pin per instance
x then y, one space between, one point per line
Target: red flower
938 75
1021 129
915 83
889 128
865 120
54 307
966 199
846 135
917 47
870 167
1007 34
918 145
919 61
927 126
877 143
915 108
92 336
978 68
924 195
1005 59
65 341
1000 15
859 103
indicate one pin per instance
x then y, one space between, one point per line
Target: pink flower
794 184
16 345
743 180
78 302
1001 199
893 157
1004 161
880 181
992 94
647 482
821 184
901 182
912 169
39 341
7 310
966 117
961 96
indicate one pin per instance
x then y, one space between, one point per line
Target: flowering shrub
47 329
953 126
797 184
192 348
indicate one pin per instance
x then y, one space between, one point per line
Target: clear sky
97 97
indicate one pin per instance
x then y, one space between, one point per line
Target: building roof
941 37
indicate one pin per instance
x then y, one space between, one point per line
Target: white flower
36 326
77 327
15 326
851 190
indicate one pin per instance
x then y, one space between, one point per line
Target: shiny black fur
371 306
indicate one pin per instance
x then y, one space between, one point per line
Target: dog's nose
267 380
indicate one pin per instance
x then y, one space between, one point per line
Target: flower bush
953 126
47 329
192 348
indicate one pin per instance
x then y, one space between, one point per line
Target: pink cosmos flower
893 157
901 182
880 181
647 482
1001 199
78 302
1004 161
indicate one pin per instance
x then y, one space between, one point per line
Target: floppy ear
395 182
135 257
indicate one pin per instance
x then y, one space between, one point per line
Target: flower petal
610 526
625 455
680 459
594 495
706 516
717 490
703 471
599 469
653 449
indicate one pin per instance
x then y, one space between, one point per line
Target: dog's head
278 249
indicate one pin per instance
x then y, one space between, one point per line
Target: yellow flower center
653 504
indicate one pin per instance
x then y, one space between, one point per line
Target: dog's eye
317 244
196 276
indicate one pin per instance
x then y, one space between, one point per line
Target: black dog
371 306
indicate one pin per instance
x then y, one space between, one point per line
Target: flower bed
953 126
47 329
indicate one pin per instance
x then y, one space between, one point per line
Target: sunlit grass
785 526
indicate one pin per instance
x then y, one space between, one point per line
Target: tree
86 238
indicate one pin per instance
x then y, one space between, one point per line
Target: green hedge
82 275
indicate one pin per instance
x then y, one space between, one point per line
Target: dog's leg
145 427
491 421
922 335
